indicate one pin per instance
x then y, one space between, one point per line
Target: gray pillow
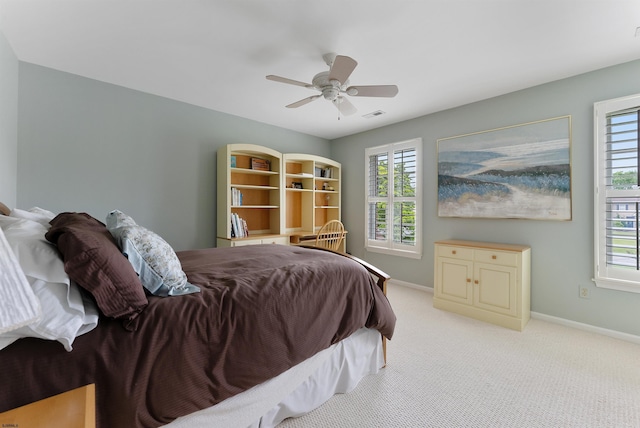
152 257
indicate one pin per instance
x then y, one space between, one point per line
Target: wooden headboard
4 210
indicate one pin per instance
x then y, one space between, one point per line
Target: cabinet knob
453 251
494 257
468 279
476 281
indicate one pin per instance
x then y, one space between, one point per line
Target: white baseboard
537 315
411 285
587 327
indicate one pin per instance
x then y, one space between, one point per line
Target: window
393 202
617 193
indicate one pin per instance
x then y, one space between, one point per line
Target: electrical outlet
584 292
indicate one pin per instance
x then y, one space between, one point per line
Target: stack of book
236 197
324 172
239 227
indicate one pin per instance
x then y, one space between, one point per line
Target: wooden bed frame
71 409
4 210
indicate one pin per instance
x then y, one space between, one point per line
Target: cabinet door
495 288
453 280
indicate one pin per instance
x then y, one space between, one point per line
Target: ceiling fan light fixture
331 84
330 93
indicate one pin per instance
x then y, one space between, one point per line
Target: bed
242 336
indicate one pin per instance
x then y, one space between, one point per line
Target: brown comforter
262 310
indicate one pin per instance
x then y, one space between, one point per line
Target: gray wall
562 252
89 146
93 147
8 123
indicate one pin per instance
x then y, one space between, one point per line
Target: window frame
605 276
388 246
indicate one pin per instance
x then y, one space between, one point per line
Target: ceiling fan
334 84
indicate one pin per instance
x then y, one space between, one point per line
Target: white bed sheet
66 312
297 391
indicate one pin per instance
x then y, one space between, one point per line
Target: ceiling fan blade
373 91
344 106
342 68
288 81
303 101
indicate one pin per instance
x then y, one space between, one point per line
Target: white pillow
66 313
36 214
152 257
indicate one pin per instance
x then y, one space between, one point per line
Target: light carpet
446 370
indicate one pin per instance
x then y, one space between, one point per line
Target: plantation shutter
404 207
622 202
392 214
378 196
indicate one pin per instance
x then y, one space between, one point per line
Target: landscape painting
521 171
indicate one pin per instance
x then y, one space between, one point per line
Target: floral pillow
152 257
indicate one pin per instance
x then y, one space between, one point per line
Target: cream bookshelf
261 203
296 196
318 200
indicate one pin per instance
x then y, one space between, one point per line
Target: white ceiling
216 54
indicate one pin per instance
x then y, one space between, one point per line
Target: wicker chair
331 235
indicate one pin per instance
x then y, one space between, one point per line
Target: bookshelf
318 201
249 195
276 195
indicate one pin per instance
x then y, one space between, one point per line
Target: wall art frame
516 172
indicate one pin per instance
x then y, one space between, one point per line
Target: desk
309 238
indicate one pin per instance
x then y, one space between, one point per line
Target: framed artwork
520 171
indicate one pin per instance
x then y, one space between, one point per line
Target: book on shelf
239 228
246 228
323 172
260 164
236 197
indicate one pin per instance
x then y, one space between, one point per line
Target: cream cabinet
486 281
